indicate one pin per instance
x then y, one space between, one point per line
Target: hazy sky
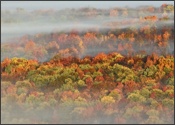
32 5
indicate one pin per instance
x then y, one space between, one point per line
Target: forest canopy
118 68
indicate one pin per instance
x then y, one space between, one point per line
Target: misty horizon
35 5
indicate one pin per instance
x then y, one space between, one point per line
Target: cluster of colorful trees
100 75
107 88
150 37
22 15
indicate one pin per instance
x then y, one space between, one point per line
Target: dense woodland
96 75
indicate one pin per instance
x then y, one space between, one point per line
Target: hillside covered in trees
117 69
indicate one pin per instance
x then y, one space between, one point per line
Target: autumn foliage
105 76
